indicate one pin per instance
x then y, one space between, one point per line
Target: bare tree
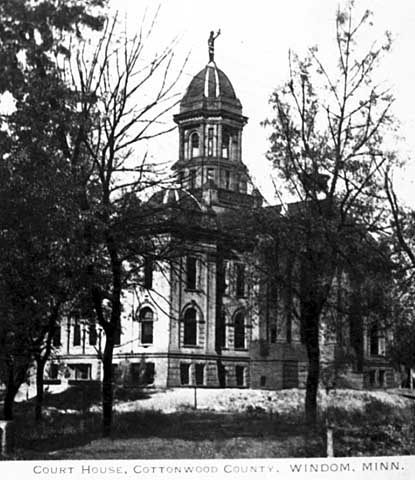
328 143
125 96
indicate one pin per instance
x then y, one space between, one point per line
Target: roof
210 89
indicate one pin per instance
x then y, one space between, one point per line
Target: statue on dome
211 44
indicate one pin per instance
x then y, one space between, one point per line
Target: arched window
194 145
146 319
190 327
239 334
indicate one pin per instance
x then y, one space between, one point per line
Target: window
192 178
190 327
146 319
210 142
77 333
210 175
142 373
221 330
227 180
92 334
148 273
56 340
53 371
242 185
240 280
149 373
184 373
262 381
234 148
135 373
194 145
239 330
372 378
199 373
381 378
240 374
225 144
80 371
116 372
374 340
191 273
273 334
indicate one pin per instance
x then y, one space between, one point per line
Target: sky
253 51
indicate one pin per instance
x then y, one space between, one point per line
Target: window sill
191 346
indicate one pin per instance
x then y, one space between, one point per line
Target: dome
210 89
176 198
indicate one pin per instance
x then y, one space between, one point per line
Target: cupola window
210 142
225 145
194 145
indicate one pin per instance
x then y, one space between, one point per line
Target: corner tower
210 124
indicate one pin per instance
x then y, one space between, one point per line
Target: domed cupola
210 124
210 90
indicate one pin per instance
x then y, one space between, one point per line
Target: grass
377 426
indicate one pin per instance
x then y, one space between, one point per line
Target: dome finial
211 45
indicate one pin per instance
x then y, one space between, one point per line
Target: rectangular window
135 373
381 378
80 371
372 378
148 273
77 334
92 334
56 341
240 280
149 373
221 331
191 273
273 334
116 372
184 373
227 183
240 374
53 371
242 186
262 381
210 174
199 374
374 340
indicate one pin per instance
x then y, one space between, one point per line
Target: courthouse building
199 322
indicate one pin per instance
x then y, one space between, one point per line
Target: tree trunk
40 365
9 404
107 388
11 390
313 352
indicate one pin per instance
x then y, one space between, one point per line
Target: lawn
232 423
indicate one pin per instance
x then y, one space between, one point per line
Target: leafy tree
37 273
328 144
